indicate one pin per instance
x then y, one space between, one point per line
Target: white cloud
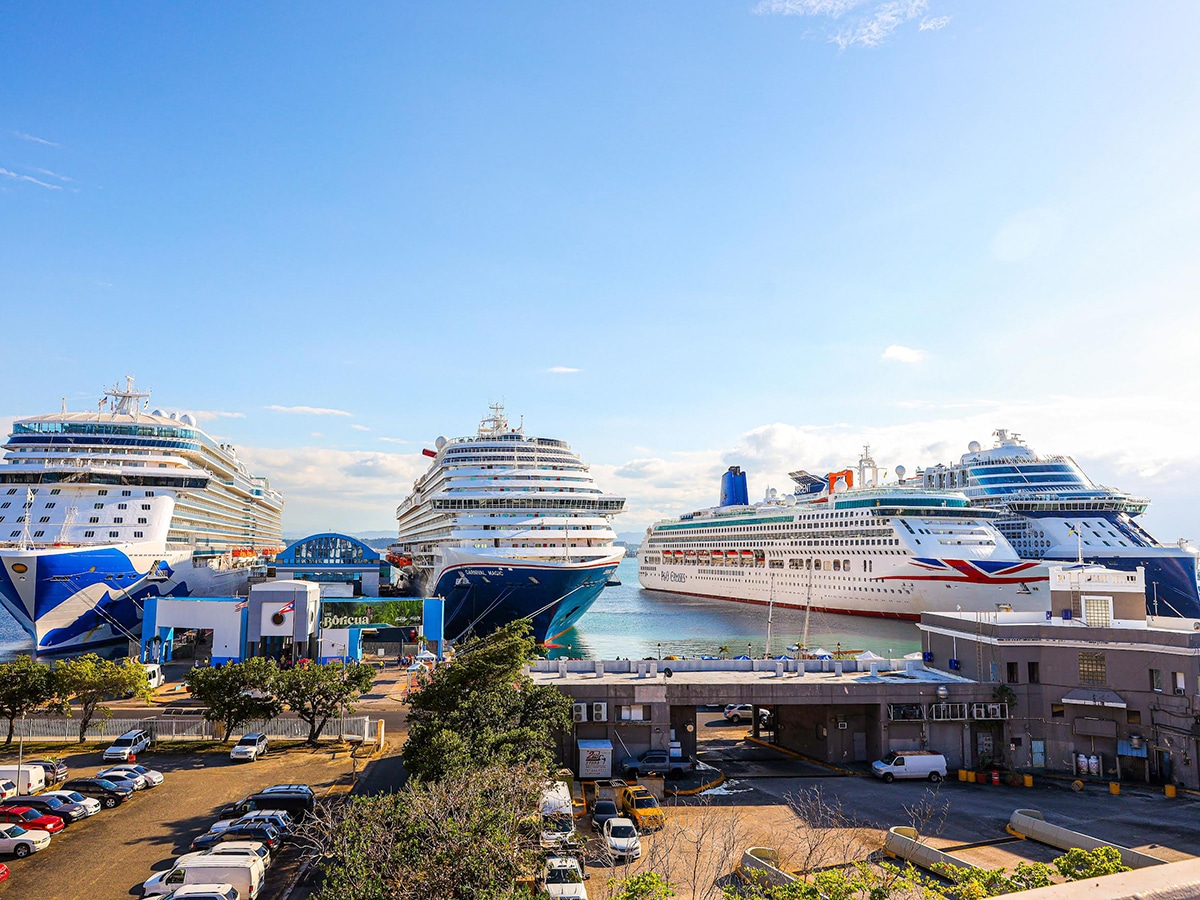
392 440
315 434
831 8
868 23
934 23
203 415
310 410
902 354
562 370
360 427
33 138
874 29
50 174
29 179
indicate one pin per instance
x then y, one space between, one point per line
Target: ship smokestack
733 488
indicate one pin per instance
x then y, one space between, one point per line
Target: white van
154 674
31 779
243 872
910 764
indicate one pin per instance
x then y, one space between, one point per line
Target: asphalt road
109 855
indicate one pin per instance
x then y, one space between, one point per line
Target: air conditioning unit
1180 691
599 712
579 712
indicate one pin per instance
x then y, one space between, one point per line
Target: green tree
975 884
1076 864
235 693
482 709
25 686
316 692
642 886
91 679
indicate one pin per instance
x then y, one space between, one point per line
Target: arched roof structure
328 549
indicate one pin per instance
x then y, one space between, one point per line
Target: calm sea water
630 622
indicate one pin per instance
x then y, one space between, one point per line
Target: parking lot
108 855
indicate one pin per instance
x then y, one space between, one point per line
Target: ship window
141 521
93 520
11 491
149 493
44 519
137 534
89 534
102 493
117 520
112 534
56 491
49 506
97 506
15 534
6 504
122 506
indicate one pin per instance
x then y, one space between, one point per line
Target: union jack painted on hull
973 571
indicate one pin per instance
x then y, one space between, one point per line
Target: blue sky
722 215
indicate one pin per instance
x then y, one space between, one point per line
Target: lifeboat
846 475
398 561
718 554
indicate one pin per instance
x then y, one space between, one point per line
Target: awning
1096 697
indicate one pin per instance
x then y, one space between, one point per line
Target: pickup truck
638 804
655 762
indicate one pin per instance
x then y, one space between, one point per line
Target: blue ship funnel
733 488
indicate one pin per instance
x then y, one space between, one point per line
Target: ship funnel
733 488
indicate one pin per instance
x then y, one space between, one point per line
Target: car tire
888 777
22 850
735 719
110 802
935 777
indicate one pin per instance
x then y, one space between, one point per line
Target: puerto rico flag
284 610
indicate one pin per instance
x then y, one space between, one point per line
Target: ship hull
484 592
70 600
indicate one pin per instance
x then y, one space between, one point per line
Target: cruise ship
1050 510
99 510
503 527
845 544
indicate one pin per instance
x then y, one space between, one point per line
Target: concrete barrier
1029 823
761 864
904 842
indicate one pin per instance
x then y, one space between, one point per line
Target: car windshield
605 808
248 742
565 875
53 802
29 815
558 823
645 803
105 783
622 831
12 830
889 759
123 742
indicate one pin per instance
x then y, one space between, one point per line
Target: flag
1071 530
242 605
284 610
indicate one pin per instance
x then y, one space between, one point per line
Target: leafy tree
483 709
316 692
235 693
1076 864
642 886
25 686
856 881
975 884
91 679
459 838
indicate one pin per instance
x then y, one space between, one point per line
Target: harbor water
629 622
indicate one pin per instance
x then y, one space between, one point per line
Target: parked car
736 712
121 778
297 799
109 794
8 789
602 812
282 821
252 831
204 892
28 817
655 762
564 877
910 764
557 832
638 804
250 747
29 779
21 842
92 806
55 770
232 848
246 873
66 810
153 777
621 841
127 745
154 675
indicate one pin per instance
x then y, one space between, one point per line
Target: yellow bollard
1114 788
1028 780
971 776
1169 790
962 774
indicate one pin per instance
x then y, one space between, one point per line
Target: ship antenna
26 540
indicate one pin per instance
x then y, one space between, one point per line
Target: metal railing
189 728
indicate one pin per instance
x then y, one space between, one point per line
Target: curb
808 759
689 792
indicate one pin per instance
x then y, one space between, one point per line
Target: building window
1179 684
1035 677
1012 673
1092 668
1097 612
1057 710
635 713
1133 716
1156 680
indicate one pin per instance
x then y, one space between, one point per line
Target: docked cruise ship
1050 510
843 544
99 510
504 527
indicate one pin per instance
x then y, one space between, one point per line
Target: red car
3 872
27 817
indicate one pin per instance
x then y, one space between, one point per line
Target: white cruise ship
843 545
1050 510
504 527
99 510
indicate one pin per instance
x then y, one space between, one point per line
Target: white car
131 780
21 842
621 840
91 804
203 892
280 818
564 878
250 747
127 745
231 848
153 777
8 789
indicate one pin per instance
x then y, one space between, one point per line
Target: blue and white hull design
75 599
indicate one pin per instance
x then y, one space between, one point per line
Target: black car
55 771
55 806
296 799
101 789
249 831
602 812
